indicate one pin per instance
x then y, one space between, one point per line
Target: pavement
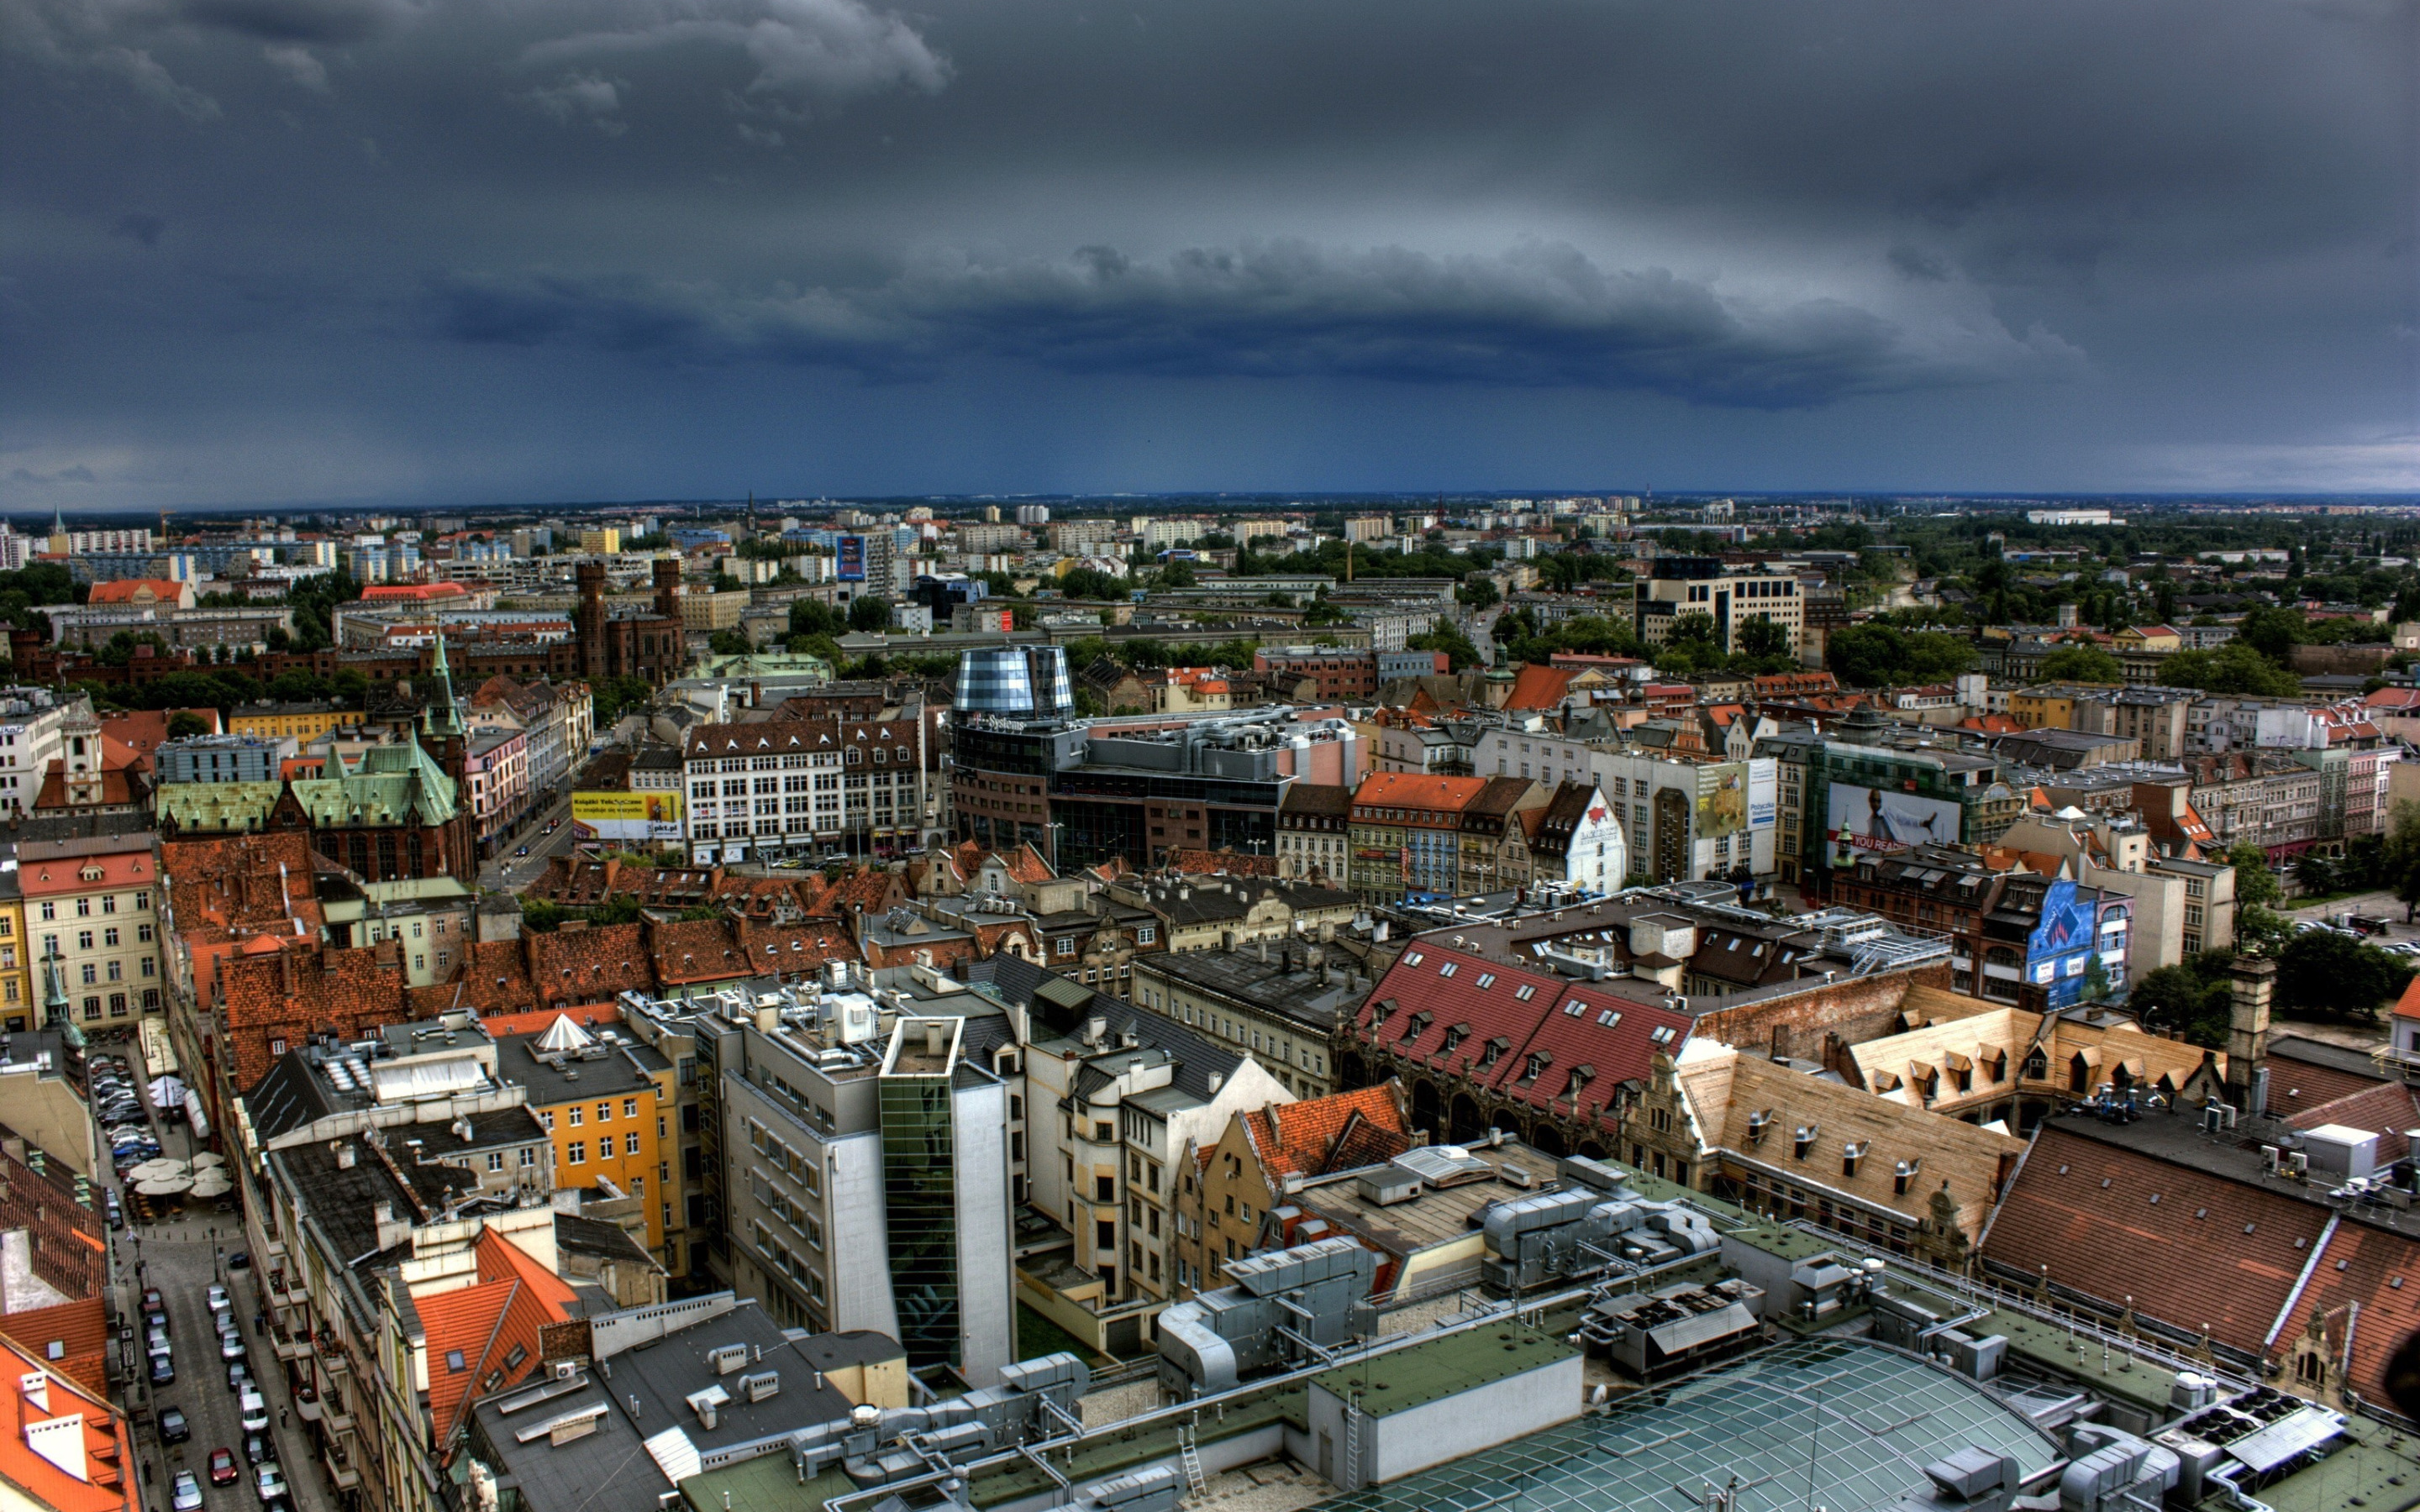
181 1257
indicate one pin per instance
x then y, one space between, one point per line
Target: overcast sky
289 250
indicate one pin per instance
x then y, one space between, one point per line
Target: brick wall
290 993
1854 1008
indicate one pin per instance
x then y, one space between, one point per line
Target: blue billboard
852 559
2060 947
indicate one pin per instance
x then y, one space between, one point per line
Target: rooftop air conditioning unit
763 1384
727 1358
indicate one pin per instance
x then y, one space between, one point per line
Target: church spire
452 719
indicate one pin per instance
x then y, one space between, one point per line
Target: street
511 873
180 1257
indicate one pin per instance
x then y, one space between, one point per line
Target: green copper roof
383 785
223 806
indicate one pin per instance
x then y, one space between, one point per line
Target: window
529 1155
629 1144
495 1160
1486 979
455 1363
579 1155
604 1112
1146 934
1414 959
575 1115
1447 969
630 1107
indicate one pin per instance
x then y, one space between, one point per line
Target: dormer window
1494 1052
1851 1153
1905 1175
1758 1123
1415 1026
1802 1141
1454 1036
1533 1067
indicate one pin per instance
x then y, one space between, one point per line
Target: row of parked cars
252 1406
118 1102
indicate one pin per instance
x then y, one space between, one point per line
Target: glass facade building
920 1187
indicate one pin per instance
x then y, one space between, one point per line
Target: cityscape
1584 1000
1015 756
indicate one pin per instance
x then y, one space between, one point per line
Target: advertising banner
852 559
617 815
1861 820
1763 793
1722 799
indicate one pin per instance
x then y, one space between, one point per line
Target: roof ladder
1349 1473
1189 1456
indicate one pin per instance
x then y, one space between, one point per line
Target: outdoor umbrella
164 1186
208 1158
153 1169
167 1091
212 1184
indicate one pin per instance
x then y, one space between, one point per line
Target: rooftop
1848 1425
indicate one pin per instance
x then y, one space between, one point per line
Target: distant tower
668 576
588 619
60 545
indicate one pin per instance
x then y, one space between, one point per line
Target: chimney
933 1037
2251 982
344 1154
1265 949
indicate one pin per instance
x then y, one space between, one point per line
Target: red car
222 1467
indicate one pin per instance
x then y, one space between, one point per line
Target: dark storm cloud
2072 228
1539 316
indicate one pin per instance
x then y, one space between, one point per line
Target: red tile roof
1446 796
2377 1268
1294 1138
2295 1084
1416 1008
2086 1210
2388 1108
137 590
2408 1006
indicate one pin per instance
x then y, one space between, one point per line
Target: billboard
1764 801
1861 820
2058 953
852 559
615 815
1722 799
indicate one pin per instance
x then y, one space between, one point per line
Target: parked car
219 1299
269 1480
189 1492
230 1345
240 1260
256 1448
240 1377
254 1408
117 1213
173 1427
163 1370
222 1467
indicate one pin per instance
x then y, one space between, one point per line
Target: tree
2254 883
2232 669
1477 591
1178 574
1882 655
2273 632
2317 873
869 612
181 725
1763 639
1090 582
2194 997
2082 664
809 617
730 643
2322 973
1444 638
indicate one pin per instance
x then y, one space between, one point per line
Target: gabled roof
75 1466
485 1325
1301 1138
1538 687
1419 789
1419 1007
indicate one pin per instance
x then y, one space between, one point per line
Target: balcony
340 1470
289 1347
332 1358
338 1419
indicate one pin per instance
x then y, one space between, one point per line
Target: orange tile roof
1538 687
1294 1138
102 1454
133 590
2408 1006
515 1296
1419 789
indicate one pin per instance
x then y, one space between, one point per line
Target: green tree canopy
869 612
2082 664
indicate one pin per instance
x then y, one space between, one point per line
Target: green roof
384 785
216 806
1784 1242
1425 1373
